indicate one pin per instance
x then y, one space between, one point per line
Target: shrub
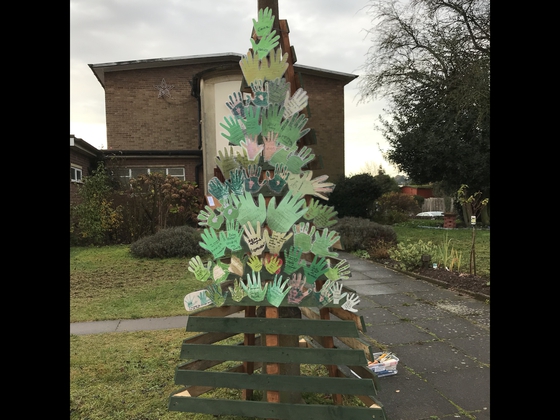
395 207
178 241
355 196
409 255
359 234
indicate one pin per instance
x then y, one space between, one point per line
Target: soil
462 282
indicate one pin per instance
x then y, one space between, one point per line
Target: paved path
441 337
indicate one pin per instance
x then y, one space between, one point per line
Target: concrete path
441 337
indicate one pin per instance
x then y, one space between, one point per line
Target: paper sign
212 202
196 300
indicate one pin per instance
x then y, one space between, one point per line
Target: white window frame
75 177
126 178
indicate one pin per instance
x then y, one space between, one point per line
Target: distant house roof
100 69
83 146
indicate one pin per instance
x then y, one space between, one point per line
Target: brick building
164 114
83 160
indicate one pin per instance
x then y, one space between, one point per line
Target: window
126 174
75 174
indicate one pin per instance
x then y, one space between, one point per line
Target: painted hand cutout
303 236
293 260
296 103
248 210
275 241
214 293
325 217
236 181
351 301
233 235
235 132
220 272
210 218
254 149
254 288
237 293
281 218
339 271
260 92
277 291
278 89
264 25
266 44
252 176
236 105
254 239
337 292
278 181
291 130
228 211
252 120
324 296
270 145
226 162
212 243
303 184
273 264
218 190
297 160
323 242
272 119
200 271
255 263
298 291
315 270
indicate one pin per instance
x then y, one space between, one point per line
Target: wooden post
272 368
248 340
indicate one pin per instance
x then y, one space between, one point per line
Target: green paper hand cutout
303 236
237 293
276 66
254 149
278 89
243 159
255 263
351 301
236 105
254 239
275 241
260 93
210 218
214 293
298 291
252 120
291 130
226 162
235 131
212 243
277 291
272 119
200 271
218 190
220 272
265 22
228 210
273 264
278 181
248 210
315 270
280 157
323 242
298 160
252 176
296 103
325 217
236 181
271 146
233 235
203 297
250 66
265 44
312 210
303 184
254 288
288 212
324 296
293 260
339 271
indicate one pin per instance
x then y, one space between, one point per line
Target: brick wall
85 163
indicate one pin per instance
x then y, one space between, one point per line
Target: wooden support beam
248 340
272 340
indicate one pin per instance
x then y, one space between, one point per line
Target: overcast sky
328 34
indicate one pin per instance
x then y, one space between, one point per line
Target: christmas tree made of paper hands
281 251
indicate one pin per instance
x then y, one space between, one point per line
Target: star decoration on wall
164 89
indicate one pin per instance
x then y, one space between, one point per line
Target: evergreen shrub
358 233
177 241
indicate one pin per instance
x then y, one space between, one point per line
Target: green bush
395 207
355 196
178 241
409 255
360 234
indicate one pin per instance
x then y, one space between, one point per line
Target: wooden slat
271 326
238 380
248 340
217 311
273 354
349 316
263 409
208 338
